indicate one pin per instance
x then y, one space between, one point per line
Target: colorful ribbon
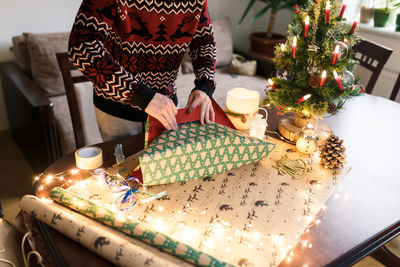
128 199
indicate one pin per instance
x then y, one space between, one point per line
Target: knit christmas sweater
132 49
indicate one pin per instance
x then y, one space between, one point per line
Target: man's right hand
164 110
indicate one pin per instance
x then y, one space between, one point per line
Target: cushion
224 46
42 50
223 39
63 121
84 96
21 53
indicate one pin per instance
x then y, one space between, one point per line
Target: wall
31 16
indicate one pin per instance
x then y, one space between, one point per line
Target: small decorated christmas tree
315 67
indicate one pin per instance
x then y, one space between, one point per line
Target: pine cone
331 108
314 81
332 153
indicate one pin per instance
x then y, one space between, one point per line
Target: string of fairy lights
216 229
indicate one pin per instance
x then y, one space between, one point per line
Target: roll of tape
88 158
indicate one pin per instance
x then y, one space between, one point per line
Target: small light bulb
219 232
256 236
120 217
49 179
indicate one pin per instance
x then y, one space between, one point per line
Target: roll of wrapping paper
134 229
110 244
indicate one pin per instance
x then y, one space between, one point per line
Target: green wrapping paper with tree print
134 229
195 151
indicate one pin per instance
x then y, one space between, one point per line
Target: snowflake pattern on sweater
132 49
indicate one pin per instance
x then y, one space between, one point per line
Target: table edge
366 248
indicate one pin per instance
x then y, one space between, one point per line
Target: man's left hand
199 98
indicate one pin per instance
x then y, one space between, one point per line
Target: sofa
37 106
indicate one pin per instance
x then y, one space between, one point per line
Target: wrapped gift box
195 151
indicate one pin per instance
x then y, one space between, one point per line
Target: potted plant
397 18
264 42
381 15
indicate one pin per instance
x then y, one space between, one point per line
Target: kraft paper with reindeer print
250 216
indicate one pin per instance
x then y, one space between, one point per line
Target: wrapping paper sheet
154 128
248 216
109 243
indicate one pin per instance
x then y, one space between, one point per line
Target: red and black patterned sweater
131 49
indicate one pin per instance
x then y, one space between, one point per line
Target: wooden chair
395 90
66 68
373 57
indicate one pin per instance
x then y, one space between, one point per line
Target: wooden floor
16 178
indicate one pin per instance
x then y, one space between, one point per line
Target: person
132 50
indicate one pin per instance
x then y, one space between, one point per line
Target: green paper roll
134 229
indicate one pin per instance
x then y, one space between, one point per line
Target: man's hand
196 98
163 109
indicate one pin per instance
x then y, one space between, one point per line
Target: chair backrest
395 90
373 57
66 68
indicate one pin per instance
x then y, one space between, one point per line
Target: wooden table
362 215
